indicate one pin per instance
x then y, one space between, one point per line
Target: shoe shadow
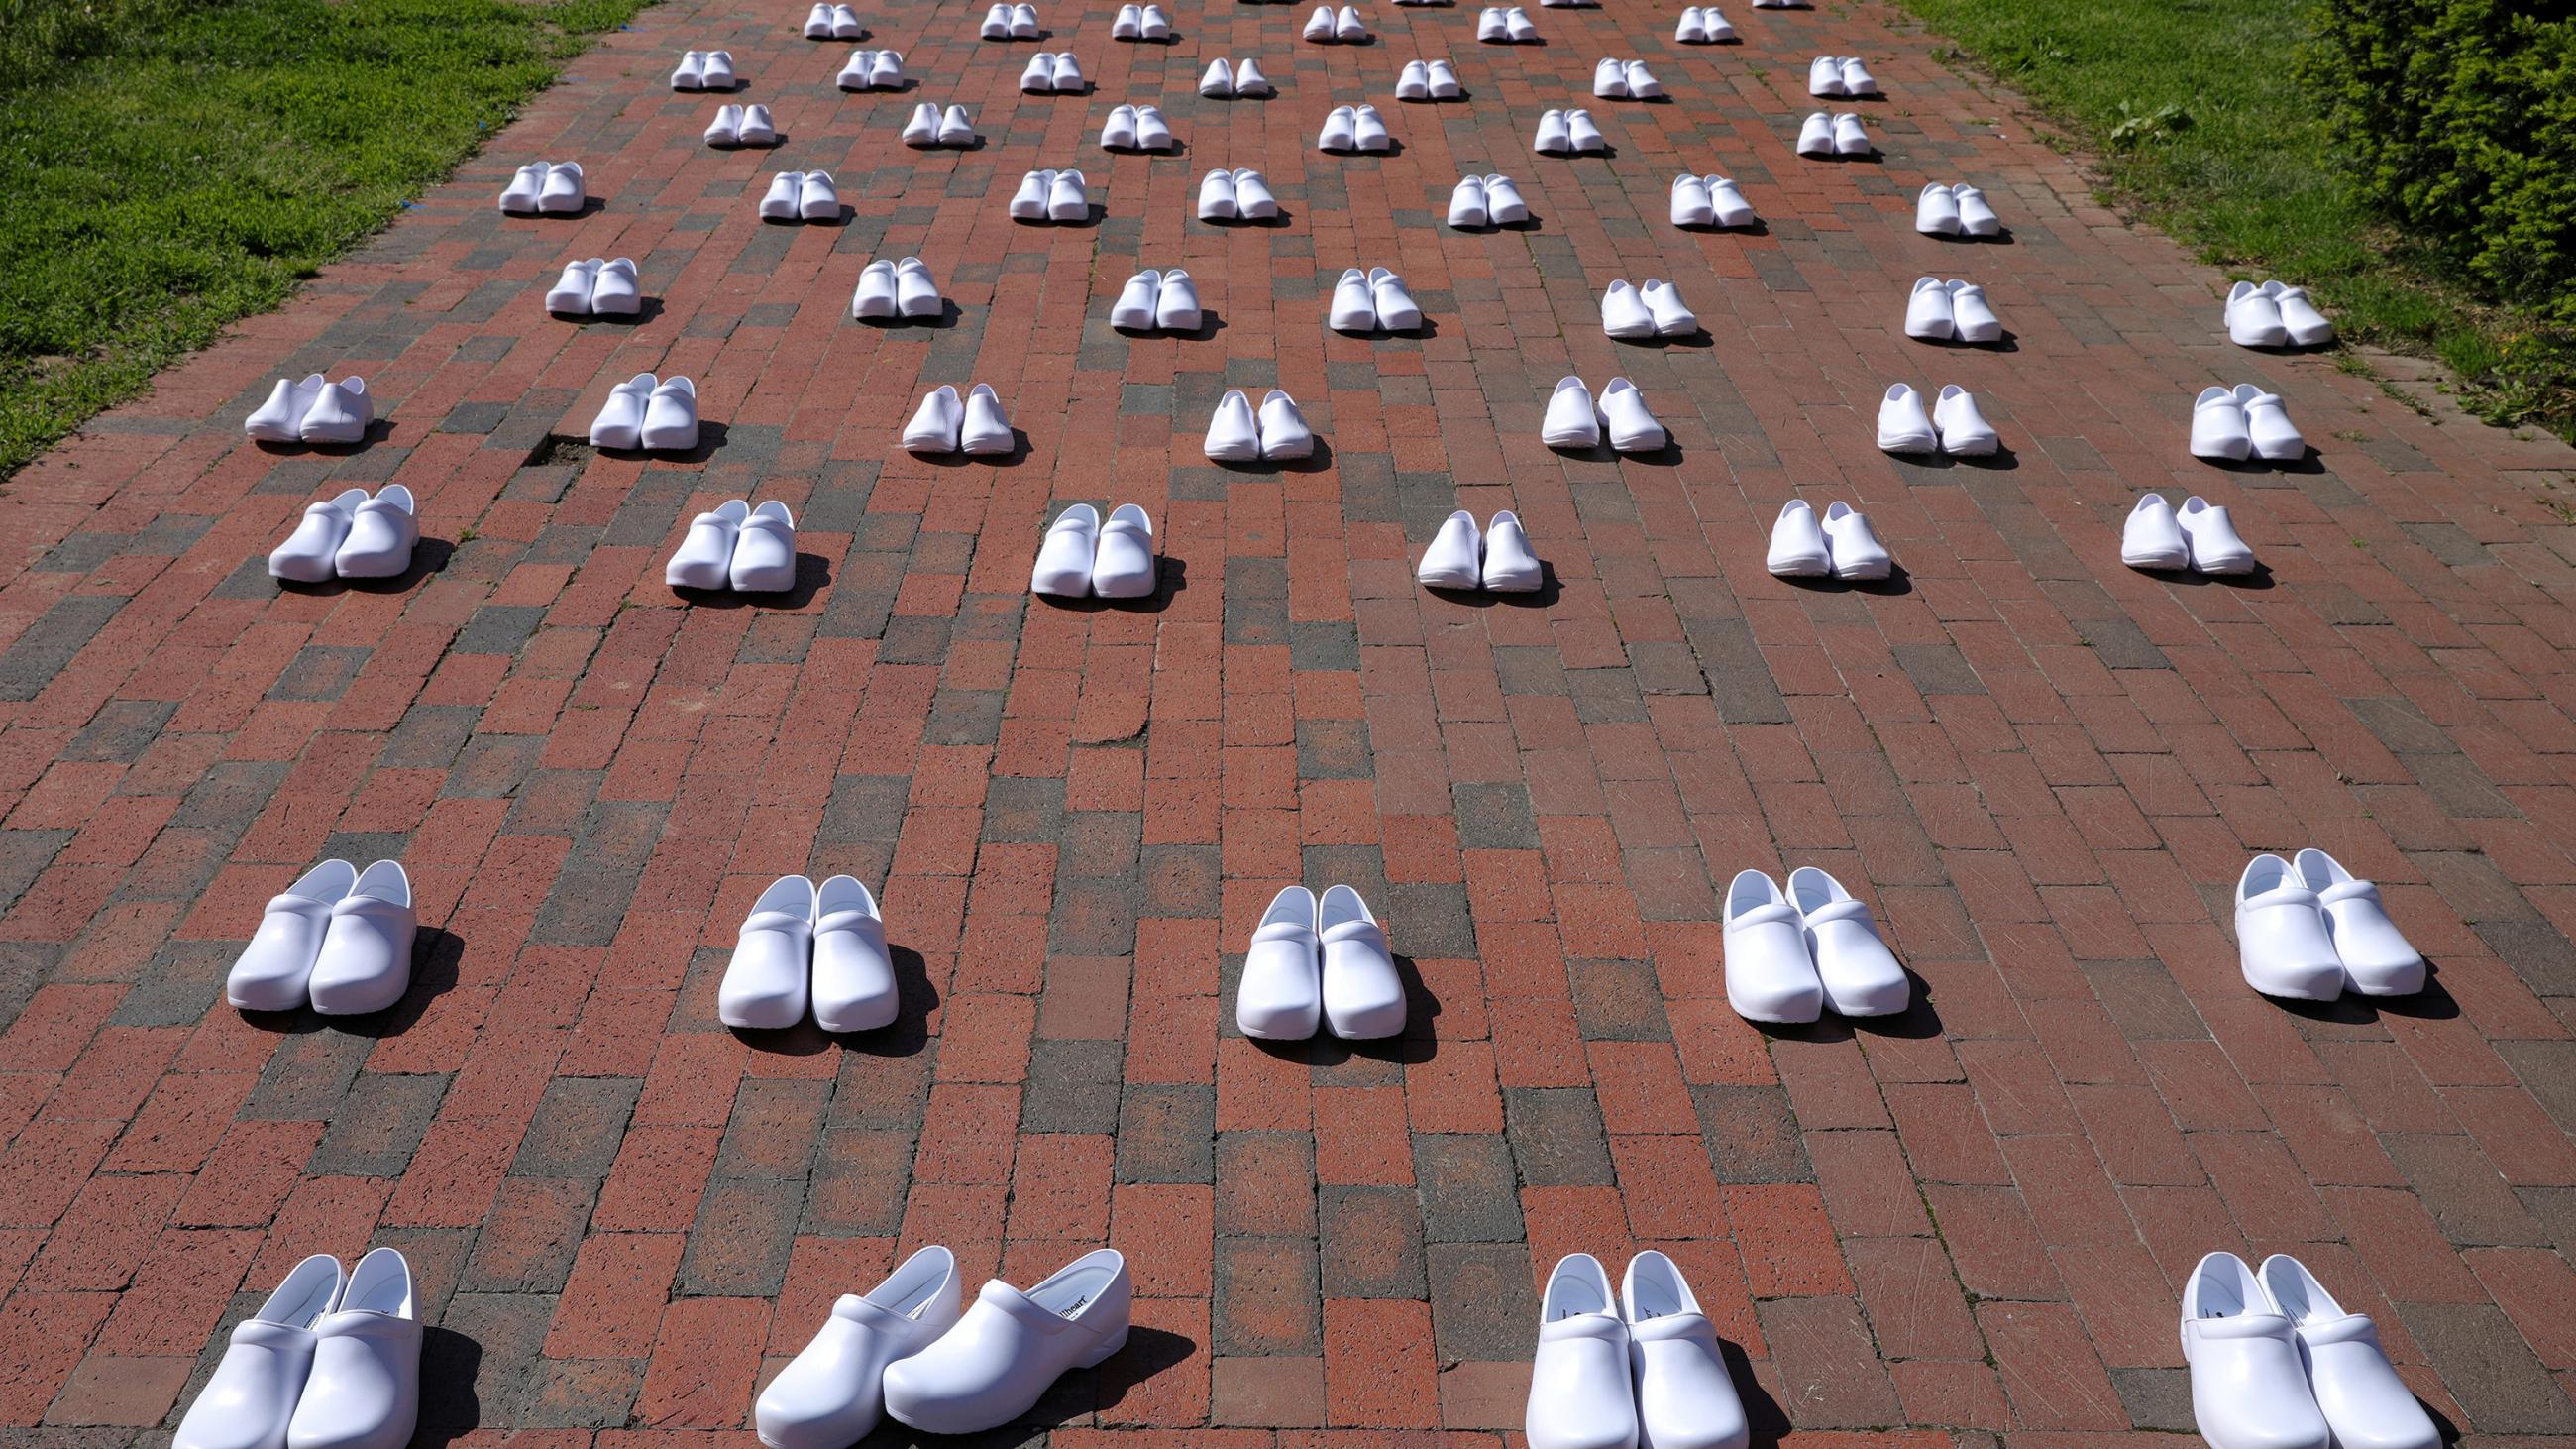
590 205
1018 454
1549 590
449 1407
378 429
2433 1003
435 956
2255 579
1265 223
1171 576
427 557
1768 1422
813 574
646 310
776 140
950 314
1209 325
1897 583
1315 462
1693 340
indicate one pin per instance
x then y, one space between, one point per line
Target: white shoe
1217 84
1216 196
1642 85
2249 1389
915 294
1816 135
1176 306
997 23
1974 320
845 23
1673 317
1571 422
1370 129
1248 79
1685 1398
364 1388
1976 218
310 553
1623 312
1319 26
1858 554
2364 1403
1130 20
937 422
1928 317
1798 549
885 70
614 291
1252 198
1965 433
764 551
519 198
854 71
1118 133
1519 26
2216 548
1851 138
1134 309
1341 130
1720 29
1609 80
1039 78
1690 29
1413 83
1553 137
274 972
1153 133
1030 201
1284 434
365 961
691 73
1157 25
2377 958
716 73
819 201
1444 81
1727 206
1903 425
853 984
1511 567
1348 28
1857 81
1065 553
1825 76
1586 136
1124 566
1069 199
956 128
620 424
923 128
2254 318
1002 1355
1625 420
1281 995
986 430
1067 74
670 417
281 418
2283 943
2218 429
2306 325
1455 559
566 189
250 1398
1024 22
1691 204
1861 976
724 130
341 412
1396 309
1233 435
768 983
1936 210
2152 536
831 1395
1491 28
786 190
1769 975
1353 309
1467 203
1363 995
1503 203
382 533
1581 1396
2267 424
705 556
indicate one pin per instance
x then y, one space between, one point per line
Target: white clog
923 128
1825 76
1284 434
2282 941
997 24
875 297
1217 82
1176 304
716 73
1553 137
2218 429
1467 203
1319 26
937 422
2377 958
1858 555
1413 83
818 23
1216 196
1511 566
1581 1394
985 431
519 198
274 971
1857 81
1673 317
1066 72
1444 81
364 1388
2151 538
1396 309
382 533
1455 559
1974 320
1642 85
1363 995
705 555
1503 203
1861 976
1233 435
1685 1398
1623 312
2254 319
1690 201
1124 566
1518 26
1341 130
1002 1355
1118 133
1571 421
1029 203
1726 203
1625 420
2216 548
1024 22
1903 424
309 554
853 984
1248 79
2365 1403
1798 548
764 551
1281 995
832 1394
1609 79
1348 28
1369 131
250 1398
565 189
845 23
340 413
1153 132
819 201
1065 553
1816 135
1134 309
1157 26
768 983
726 128
1936 210
1851 138
1069 199
2306 326
691 73
281 418
1965 433
670 422
2248 1389
1976 218
1039 78
1928 317
2267 425
1128 23
620 424
1769 975
365 961
1586 137
614 291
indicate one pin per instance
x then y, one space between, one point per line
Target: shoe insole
1071 1291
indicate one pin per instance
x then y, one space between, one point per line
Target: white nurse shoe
1001 1357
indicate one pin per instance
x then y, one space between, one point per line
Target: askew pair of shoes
1625 80
328 1362
1952 426
1052 196
1498 560
1654 310
1246 79
1373 301
2276 1363
648 414
1236 196
746 549
352 536
1052 72
704 70
1432 80
544 187
1505 25
903 1349
1573 423
895 289
833 22
1710 201
2200 538
1569 133
801 196
1136 128
596 288
1145 22
2232 425
1834 135
871 70
1011 22
1642 1368
338 940
1083 558
1792 955
946 423
314 410
1952 311
1703 25
931 126
1842 545
1276 434
1328 26
1840 75
2273 315
812 950
742 126
1157 301
1319 963
2308 929
1487 201
1959 210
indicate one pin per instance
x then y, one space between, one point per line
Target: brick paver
2044 771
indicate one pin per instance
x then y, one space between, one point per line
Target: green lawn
2206 129
168 166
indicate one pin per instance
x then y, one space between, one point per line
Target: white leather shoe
249 1399
519 198
1281 995
1903 425
365 961
382 534
1927 312
1216 196
2218 429
1816 135
1623 312
273 972
1233 435
1511 567
1769 975
985 430
1363 995
1284 434
705 555
1798 549
832 1394
1248 79
2365 1403
937 422
1973 320
2216 548
2377 958
2152 538
2254 319
853 984
1176 305
1069 199
1467 203
2248 1389
1029 203
309 553
1503 203
2306 326
281 418
1858 554
620 424
1455 559
364 1388
1571 421
341 412
1976 218
764 551
915 294
1685 1398
1965 433
670 417
1936 211
1860 975
1580 1387
2282 941
1063 567
768 983
1124 567
999 1359
1691 201
1625 420
1134 309
2268 427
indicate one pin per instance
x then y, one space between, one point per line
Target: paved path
2044 770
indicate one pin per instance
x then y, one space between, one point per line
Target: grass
170 166
2205 130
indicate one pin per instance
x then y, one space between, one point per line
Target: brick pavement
2044 770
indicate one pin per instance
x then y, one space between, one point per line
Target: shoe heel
1102 1354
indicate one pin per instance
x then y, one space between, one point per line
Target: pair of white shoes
872 70
1052 196
833 22
1487 201
1703 25
2273 315
2233 425
1642 1369
1835 135
1315 964
352 536
2201 538
1052 72
805 949
1327 26
1084 558
1353 130
1575 424
542 186
1373 301
1653 310
648 414
315 410
749 550
1840 75
1505 25
1136 128
742 126
1433 80
1569 133
2307 928
1277 433
1236 196
1792 955
1145 22
328 1362
1157 301
1011 22
1499 560
1842 545
1628 80
903 1349
945 423
1959 210
338 940
801 196
1709 201
596 288
1246 79
2276 1363
1952 426
895 289
1952 311
704 70
931 126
